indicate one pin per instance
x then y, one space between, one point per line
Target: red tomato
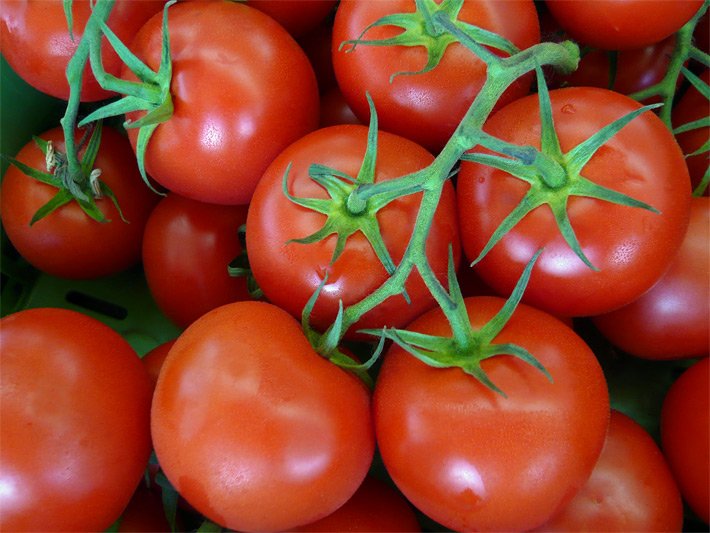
630 489
187 247
154 359
685 438
636 69
631 247
289 272
253 427
423 107
242 90
297 16
317 45
75 410
37 45
691 107
672 319
375 506
473 460
144 513
335 110
68 243
622 24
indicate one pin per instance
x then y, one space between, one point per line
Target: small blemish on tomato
569 109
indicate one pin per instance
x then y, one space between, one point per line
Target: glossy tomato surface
672 319
472 459
423 107
290 272
630 489
685 436
187 247
631 247
37 44
68 243
242 90
375 506
622 24
74 422
253 427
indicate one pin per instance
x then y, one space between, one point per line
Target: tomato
635 69
631 487
684 435
423 107
622 24
154 359
253 427
631 247
144 513
693 106
75 410
68 243
187 247
375 506
297 16
672 319
335 110
37 45
290 272
473 460
242 90
317 44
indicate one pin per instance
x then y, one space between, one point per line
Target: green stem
432 179
75 73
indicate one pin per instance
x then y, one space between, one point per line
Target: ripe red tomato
242 90
423 107
375 506
630 489
254 428
37 45
187 247
68 243
622 24
297 16
75 408
672 319
289 272
691 107
631 247
473 460
154 359
685 435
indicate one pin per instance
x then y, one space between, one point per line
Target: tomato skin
36 42
289 273
622 24
423 107
375 506
187 246
75 422
693 106
672 319
631 247
216 145
245 409
154 359
473 460
684 435
68 243
630 489
297 16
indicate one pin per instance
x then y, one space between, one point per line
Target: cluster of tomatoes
306 183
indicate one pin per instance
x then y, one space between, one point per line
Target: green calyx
467 347
434 26
82 186
349 209
150 94
554 176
